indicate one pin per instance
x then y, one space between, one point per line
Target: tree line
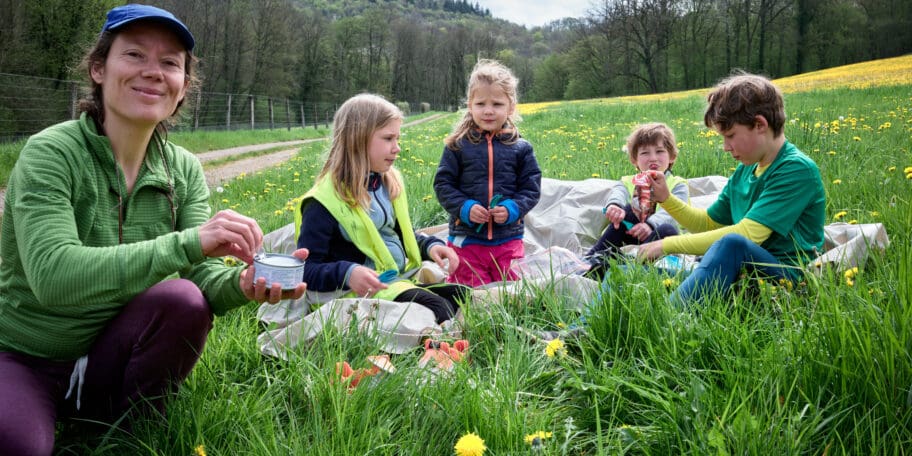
421 50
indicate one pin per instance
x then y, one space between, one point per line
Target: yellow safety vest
364 235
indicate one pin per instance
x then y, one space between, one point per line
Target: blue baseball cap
128 14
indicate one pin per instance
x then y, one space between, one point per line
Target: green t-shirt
788 198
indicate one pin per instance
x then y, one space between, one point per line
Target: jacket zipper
490 183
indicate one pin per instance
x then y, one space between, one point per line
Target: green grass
825 368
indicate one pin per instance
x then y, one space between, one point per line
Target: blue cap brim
122 16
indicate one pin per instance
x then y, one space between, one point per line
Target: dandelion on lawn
837 181
853 222
874 213
840 215
200 450
561 325
278 212
907 170
850 276
537 439
595 175
225 201
891 169
832 152
856 138
426 198
668 283
555 347
470 445
786 283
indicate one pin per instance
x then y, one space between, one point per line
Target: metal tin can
287 270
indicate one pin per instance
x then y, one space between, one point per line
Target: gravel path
218 174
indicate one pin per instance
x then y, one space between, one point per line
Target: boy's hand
615 214
660 191
641 231
650 251
499 214
478 214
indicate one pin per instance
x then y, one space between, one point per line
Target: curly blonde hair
487 72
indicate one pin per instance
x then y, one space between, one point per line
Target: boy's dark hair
739 98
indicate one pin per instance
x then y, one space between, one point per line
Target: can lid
276 259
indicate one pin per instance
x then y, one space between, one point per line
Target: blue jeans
722 265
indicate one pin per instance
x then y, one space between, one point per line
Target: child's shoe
441 356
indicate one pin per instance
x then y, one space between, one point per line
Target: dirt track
216 175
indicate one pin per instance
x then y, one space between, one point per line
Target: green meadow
824 367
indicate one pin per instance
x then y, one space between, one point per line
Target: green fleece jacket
64 275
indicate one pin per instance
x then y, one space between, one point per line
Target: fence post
316 118
196 110
228 114
252 119
271 114
74 98
302 116
287 115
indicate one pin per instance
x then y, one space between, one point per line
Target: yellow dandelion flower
224 200
909 176
840 215
561 325
230 261
856 138
891 169
786 283
851 273
537 436
278 212
470 445
832 152
200 450
554 347
595 175
907 170
874 213
837 181
850 282
668 283
853 222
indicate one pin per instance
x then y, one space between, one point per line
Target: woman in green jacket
99 212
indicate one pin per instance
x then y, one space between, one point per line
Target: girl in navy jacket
488 179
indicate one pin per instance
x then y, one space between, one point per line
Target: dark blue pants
140 358
613 238
722 265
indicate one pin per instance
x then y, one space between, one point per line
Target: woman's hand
615 214
659 186
364 281
440 252
258 290
230 233
650 251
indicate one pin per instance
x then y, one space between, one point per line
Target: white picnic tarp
559 230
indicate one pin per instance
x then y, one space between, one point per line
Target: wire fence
29 104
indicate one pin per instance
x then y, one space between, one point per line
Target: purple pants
139 358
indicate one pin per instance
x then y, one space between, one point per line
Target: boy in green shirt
769 217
